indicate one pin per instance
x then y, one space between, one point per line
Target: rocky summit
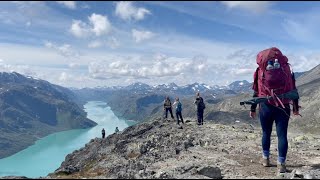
160 149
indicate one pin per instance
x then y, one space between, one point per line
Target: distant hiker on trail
200 106
167 106
103 133
178 110
273 78
117 130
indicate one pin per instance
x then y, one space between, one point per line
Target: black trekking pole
289 95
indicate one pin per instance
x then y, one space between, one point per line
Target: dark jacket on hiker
103 133
167 106
200 106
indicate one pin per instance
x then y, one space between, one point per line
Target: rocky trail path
160 149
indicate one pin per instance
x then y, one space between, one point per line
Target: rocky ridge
161 149
31 109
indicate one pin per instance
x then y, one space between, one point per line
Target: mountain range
31 109
139 101
191 89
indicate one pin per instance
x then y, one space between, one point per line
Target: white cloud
113 43
160 57
163 68
68 4
64 50
303 27
23 69
127 11
95 44
85 6
139 36
98 25
303 61
255 6
240 71
101 24
74 65
63 76
28 24
298 30
79 29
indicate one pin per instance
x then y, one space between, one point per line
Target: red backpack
275 81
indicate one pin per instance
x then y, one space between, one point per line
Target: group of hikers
103 132
274 91
199 104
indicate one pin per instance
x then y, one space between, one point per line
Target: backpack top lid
271 53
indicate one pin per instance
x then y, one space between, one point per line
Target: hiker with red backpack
274 90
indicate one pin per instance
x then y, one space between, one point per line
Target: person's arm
175 102
254 106
253 113
295 107
255 89
195 101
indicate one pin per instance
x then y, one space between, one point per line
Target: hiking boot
281 168
266 162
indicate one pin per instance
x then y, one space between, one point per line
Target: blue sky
89 44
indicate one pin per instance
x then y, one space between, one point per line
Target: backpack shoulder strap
255 86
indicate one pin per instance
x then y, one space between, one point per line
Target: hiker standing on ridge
272 78
200 106
167 106
178 110
117 130
103 133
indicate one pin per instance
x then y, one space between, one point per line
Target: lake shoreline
30 161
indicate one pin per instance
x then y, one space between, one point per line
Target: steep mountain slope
309 89
309 76
135 106
31 109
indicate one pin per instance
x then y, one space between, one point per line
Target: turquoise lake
47 154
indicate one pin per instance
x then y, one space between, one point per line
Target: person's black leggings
200 116
179 114
170 110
